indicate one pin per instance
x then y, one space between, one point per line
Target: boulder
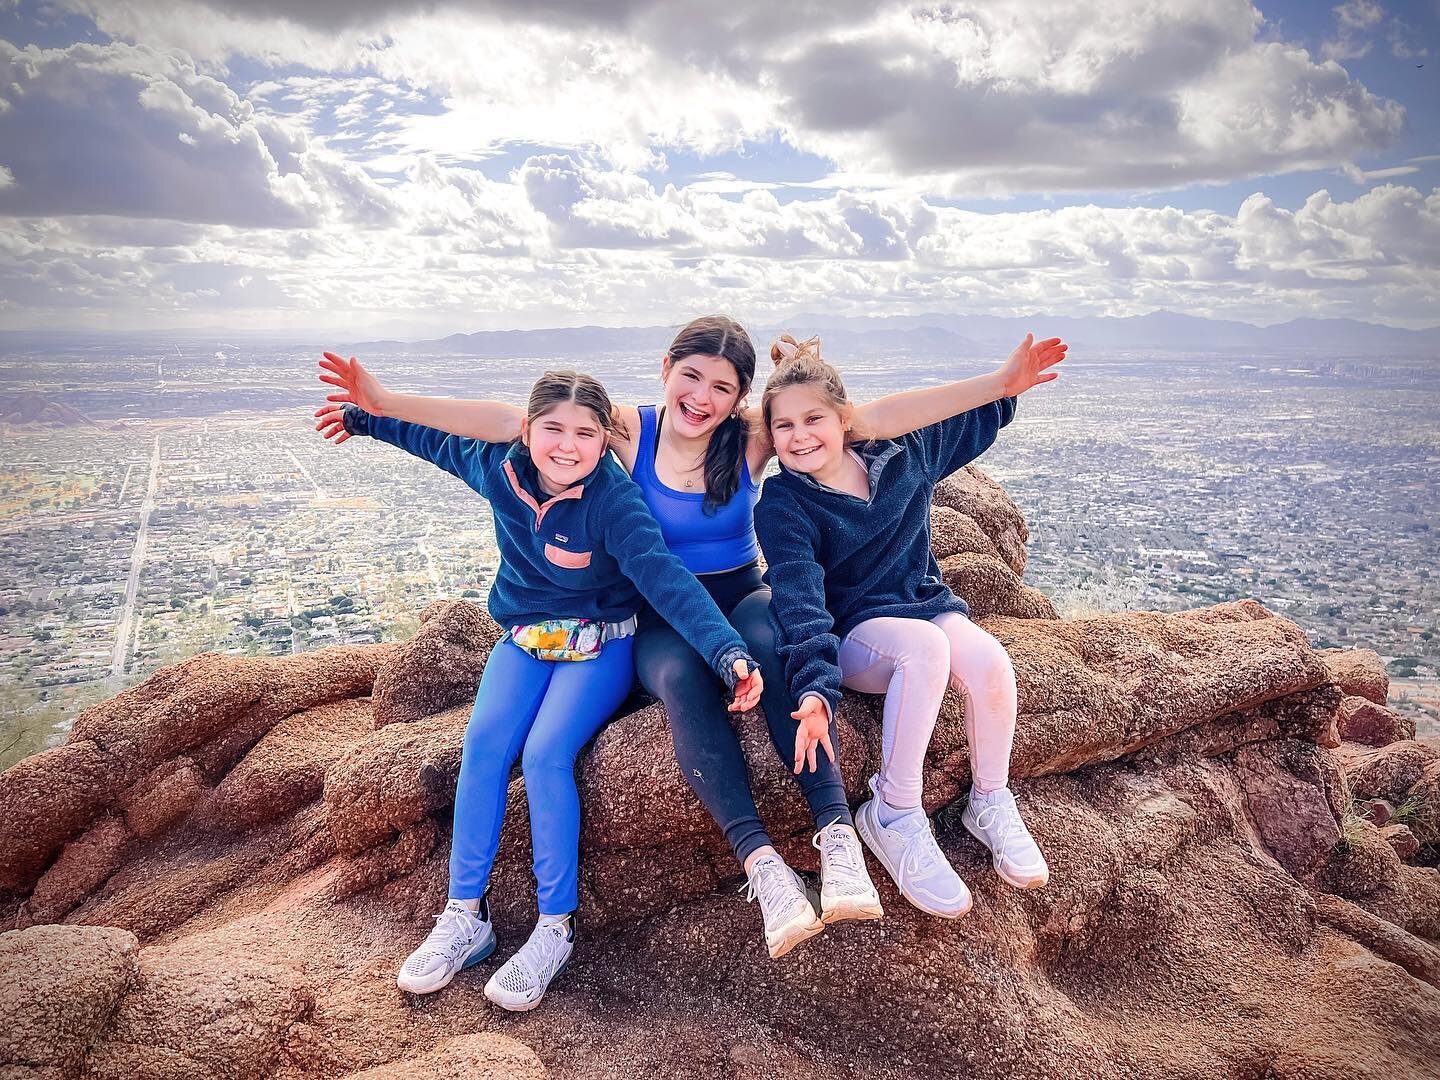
439 667
1358 672
1361 720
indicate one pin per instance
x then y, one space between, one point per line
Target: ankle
756 855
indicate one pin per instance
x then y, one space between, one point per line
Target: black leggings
706 745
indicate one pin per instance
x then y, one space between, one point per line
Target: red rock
464 1057
84 865
164 797
1401 839
59 989
286 769
1359 672
439 667
45 801
1361 720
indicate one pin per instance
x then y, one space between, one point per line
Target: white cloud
127 130
1008 96
1354 21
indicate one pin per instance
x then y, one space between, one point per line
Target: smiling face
700 393
566 443
808 431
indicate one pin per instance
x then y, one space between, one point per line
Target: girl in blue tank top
696 459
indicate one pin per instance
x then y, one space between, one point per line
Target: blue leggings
550 710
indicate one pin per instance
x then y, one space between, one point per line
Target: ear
665 365
847 416
525 432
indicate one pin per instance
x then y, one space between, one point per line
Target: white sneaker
460 939
908 851
521 981
994 820
846 891
784 905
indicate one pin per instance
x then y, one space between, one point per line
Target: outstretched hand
330 422
748 686
814 730
1029 364
356 384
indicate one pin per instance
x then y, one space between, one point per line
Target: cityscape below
163 498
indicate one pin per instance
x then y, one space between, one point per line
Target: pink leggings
911 661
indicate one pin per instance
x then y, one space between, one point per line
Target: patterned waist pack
569 639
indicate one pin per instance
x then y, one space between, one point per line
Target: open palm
356 384
1029 364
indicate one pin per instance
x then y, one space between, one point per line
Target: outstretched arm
897 414
489 421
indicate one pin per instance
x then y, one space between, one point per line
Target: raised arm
469 459
489 421
897 414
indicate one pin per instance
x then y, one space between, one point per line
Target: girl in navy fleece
579 549
857 601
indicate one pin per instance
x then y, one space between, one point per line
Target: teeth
692 413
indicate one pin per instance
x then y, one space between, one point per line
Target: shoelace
768 883
451 922
922 851
834 847
1007 816
539 952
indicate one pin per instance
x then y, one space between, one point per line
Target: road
128 627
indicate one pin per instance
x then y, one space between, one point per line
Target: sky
365 167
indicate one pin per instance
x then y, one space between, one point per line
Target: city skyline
409 170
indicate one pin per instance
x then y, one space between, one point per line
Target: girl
874 616
578 550
696 459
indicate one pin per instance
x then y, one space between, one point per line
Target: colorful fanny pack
569 639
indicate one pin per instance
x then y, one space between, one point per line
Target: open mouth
695 416
806 451
564 462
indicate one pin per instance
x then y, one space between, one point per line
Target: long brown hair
722 336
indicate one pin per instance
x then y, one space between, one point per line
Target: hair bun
786 349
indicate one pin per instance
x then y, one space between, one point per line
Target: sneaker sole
1025 883
861 912
865 828
526 1006
470 961
793 933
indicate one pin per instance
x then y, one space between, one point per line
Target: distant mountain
32 409
956 335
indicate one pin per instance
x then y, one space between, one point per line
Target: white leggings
911 661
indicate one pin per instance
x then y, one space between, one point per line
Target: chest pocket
568 560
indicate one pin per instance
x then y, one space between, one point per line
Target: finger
327 409
343 436
340 397
332 356
810 757
799 751
829 747
741 669
799 714
1049 376
336 365
1051 342
334 380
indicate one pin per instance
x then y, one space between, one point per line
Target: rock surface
222 869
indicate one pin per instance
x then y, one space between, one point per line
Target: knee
927 648
673 679
544 754
984 668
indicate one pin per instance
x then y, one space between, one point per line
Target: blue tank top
706 543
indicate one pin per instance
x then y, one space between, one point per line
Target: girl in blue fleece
579 549
857 601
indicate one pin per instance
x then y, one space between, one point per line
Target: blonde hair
798 363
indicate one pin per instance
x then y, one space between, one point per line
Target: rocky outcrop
241 852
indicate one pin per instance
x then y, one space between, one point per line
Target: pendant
689 483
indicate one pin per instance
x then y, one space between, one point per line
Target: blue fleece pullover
836 560
589 552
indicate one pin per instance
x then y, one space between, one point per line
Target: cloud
1006 97
126 130
1354 21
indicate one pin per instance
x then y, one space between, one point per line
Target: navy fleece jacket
837 560
590 552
